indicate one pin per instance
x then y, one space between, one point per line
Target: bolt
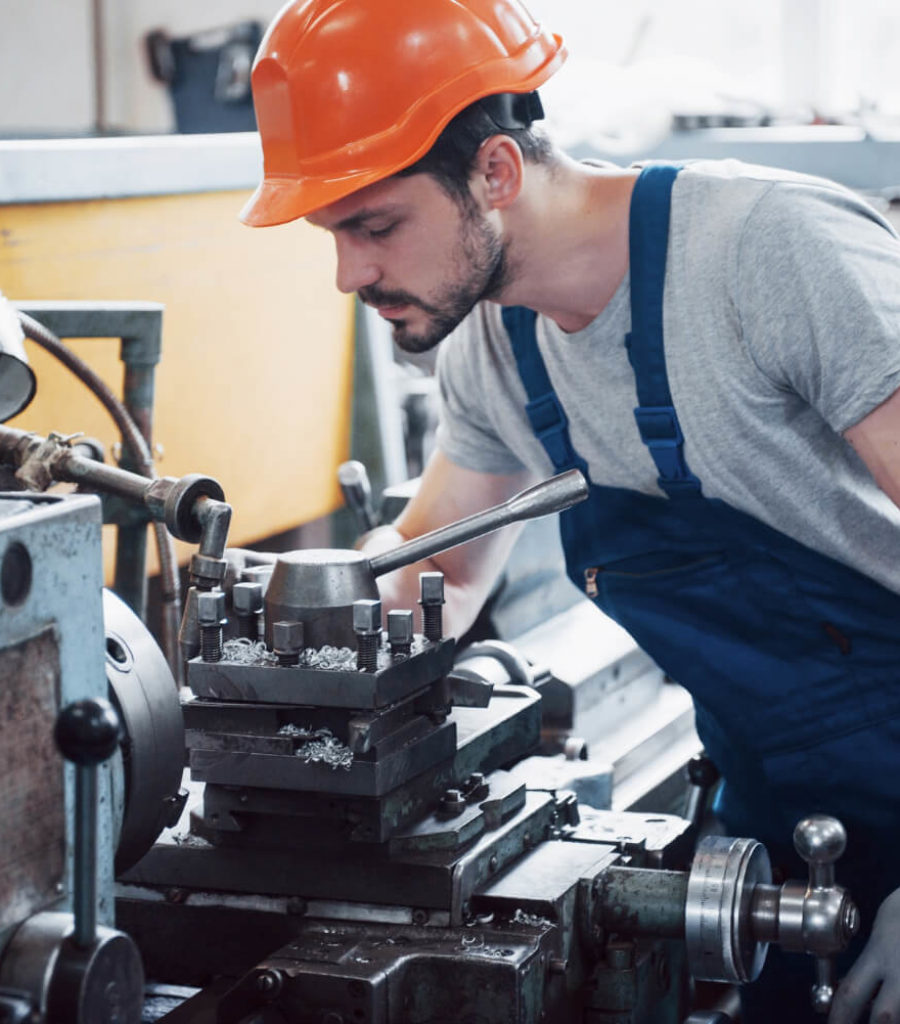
431 590
420 916
248 605
287 642
211 619
493 862
453 802
850 920
367 627
206 572
474 786
400 632
269 983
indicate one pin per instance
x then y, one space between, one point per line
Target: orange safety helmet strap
348 92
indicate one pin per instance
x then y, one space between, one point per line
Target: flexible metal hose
135 441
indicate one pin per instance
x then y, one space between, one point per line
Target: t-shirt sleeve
818 296
467 370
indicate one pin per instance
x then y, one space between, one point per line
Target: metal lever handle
829 918
702 775
87 733
357 490
553 495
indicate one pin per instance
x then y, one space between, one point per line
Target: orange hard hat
348 92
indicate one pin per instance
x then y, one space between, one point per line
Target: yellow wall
254 384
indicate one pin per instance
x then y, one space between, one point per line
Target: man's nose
355 267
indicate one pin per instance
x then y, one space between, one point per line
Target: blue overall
790 656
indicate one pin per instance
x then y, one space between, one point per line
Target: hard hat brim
278 201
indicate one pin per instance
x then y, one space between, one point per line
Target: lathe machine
334 820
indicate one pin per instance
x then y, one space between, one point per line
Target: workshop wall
47 60
254 384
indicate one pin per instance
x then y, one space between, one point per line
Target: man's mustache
378 297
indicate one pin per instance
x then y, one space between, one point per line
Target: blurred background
101 66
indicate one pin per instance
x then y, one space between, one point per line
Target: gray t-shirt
782 329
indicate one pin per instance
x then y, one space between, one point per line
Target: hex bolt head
287 641
452 803
400 632
431 587
210 607
367 616
367 626
247 598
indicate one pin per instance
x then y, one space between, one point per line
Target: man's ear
499 172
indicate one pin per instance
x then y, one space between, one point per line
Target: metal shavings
533 920
321 746
476 944
189 839
343 659
328 657
294 731
243 651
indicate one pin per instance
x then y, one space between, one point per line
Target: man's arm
876 439
448 493
876 972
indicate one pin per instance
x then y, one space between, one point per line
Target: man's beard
480 256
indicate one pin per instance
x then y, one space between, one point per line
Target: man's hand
446 494
877 970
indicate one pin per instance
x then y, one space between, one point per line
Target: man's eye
382 232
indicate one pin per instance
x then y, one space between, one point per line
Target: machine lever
829 917
553 495
354 481
87 733
701 775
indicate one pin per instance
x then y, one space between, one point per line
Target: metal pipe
553 495
109 479
132 439
635 901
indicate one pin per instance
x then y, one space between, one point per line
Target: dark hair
452 157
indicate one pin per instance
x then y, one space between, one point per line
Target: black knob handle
702 772
87 731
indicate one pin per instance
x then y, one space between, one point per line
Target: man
742 522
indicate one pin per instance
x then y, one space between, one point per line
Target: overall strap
655 415
548 419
